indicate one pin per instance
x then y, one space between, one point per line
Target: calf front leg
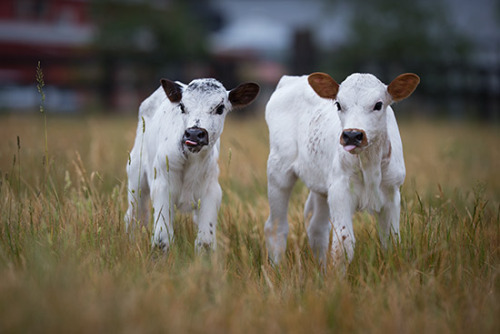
280 185
318 230
137 212
342 203
137 194
163 209
206 218
388 219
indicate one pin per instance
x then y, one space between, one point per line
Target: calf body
175 154
343 142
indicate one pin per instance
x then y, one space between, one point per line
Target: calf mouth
194 139
353 140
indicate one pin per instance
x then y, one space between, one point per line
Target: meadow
67 265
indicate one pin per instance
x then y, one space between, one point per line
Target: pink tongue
349 148
191 143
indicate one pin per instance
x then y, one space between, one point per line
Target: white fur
162 167
305 132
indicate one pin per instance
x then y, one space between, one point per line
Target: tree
148 36
400 34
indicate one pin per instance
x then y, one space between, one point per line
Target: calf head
203 105
361 101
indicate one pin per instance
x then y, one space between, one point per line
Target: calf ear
402 87
173 90
323 85
244 94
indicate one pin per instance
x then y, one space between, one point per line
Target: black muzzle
195 138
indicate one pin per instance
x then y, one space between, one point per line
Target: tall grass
67 264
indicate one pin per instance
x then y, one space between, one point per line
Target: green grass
67 265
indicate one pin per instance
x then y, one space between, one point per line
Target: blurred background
108 55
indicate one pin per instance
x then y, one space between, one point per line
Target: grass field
67 266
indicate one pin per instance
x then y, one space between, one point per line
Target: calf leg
163 210
280 185
341 202
319 225
388 219
137 212
137 193
206 218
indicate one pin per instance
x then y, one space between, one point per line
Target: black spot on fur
205 85
162 245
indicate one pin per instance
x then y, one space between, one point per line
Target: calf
174 158
344 143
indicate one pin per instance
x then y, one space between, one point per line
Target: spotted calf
175 154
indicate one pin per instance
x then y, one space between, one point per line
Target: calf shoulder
393 168
153 103
290 112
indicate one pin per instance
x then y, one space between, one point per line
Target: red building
58 33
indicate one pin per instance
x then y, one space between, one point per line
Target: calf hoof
274 263
203 248
162 247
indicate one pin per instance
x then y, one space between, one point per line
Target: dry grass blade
67 264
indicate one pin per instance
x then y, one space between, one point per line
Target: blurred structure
102 54
454 45
110 54
56 33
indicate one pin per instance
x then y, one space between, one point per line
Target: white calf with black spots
174 160
343 142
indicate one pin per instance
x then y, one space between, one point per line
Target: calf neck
343 142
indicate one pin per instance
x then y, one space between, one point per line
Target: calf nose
196 136
352 137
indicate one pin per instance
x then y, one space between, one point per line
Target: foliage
138 40
401 34
148 31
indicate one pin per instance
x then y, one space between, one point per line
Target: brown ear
173 90
244 94
323 85
402 87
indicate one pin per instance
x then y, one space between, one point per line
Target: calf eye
182 108
339 108
378 106
219 110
